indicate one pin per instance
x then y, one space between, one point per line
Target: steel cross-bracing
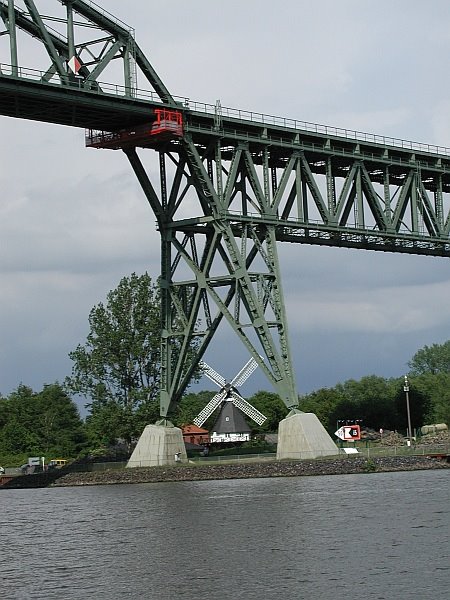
229 184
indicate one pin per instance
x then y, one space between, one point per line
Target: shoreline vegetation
248 470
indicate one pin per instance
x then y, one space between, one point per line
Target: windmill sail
210 408
212 374
228 392
247 408
244 373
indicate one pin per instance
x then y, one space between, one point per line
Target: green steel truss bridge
225 185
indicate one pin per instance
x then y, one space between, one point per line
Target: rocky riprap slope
338 466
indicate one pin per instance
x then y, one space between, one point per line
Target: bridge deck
328 151
29 96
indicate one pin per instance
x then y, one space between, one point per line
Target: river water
374 536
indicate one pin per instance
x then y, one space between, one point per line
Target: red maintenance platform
168 125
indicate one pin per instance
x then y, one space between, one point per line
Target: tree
190 407
120 360
60 429
372 399
19 433
119 367
431 359
272 407
106 423
44 423
323 403
430 372
437 389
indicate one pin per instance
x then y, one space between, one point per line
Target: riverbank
195 472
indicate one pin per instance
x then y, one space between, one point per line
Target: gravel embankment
338 466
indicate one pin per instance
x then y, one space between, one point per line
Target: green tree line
46 423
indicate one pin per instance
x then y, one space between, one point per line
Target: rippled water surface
374 536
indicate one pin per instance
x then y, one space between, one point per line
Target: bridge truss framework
229 189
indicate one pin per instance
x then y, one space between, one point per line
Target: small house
195 435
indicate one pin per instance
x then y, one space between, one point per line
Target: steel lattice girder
395 201
366 193
214 256
55 93
240 216
255 179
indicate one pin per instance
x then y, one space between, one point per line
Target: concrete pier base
301 436
158 445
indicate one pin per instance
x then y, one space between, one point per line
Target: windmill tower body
230 425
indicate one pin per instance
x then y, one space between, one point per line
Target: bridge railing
317 128
226 112
78 82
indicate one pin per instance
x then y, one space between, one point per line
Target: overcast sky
73 221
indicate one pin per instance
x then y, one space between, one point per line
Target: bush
246 448
370 466
13 460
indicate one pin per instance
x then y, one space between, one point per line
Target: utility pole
406 390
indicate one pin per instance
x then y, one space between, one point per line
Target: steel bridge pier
213 266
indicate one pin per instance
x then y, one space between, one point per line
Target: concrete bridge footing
302 436
158 445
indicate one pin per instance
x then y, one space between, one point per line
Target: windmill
229 393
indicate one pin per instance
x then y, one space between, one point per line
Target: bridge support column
159 445
302 436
